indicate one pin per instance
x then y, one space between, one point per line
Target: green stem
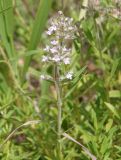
59 105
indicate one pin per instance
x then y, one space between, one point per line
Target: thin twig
11 134
83 147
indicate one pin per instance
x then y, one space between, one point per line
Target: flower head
62 26
61 30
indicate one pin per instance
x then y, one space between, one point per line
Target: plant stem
59 105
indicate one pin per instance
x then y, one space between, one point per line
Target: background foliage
91 109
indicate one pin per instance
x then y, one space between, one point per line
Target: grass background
92 101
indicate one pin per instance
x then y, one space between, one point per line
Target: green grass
91 109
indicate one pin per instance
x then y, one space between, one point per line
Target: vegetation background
92 101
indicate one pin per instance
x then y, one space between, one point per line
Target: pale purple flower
56 58
51 30
53 50
54 42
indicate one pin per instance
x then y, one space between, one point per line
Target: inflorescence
61 31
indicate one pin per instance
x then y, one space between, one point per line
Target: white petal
49 32
47 48
69 75
66 60
56 58
42 77
60 12
44 59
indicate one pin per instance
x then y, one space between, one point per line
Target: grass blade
6 23
6 29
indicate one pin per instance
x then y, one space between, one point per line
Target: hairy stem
59 105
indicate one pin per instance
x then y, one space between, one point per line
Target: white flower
71 28
66 49
42 77
47 48
66 19
60 12
44 58
69 75
53 28
54 42
46 77
66 60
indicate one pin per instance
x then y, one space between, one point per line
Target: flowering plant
61 31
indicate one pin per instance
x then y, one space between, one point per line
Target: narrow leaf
112 109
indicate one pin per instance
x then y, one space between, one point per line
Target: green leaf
112 109
78 75
109 125
114 68
9 18
104 145
114 94
94 117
